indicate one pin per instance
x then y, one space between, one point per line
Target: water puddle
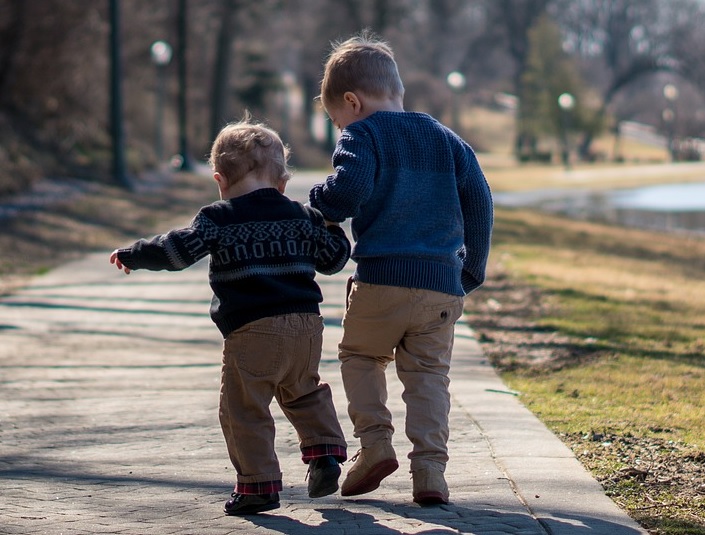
672 207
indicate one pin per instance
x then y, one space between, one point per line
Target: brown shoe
372 465
430 487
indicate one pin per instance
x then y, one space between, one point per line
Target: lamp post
456 81
288 80
116 118
161 56
670 93
566 102
617 151
185 163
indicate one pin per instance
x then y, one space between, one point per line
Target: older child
422 218
264 251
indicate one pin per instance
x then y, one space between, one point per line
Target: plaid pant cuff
308 453
261 487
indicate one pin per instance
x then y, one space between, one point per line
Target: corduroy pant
275 358
414 328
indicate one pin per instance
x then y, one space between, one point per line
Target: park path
108 425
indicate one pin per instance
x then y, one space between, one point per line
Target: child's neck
372 104
248 184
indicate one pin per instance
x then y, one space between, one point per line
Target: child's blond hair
363 63
246 146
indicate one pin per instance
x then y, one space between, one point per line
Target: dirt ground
653 478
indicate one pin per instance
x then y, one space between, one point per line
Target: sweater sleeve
349 187
332 245
173 251
478 218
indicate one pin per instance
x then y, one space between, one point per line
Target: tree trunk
10 41
221 68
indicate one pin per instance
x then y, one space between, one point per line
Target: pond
672 207
674 197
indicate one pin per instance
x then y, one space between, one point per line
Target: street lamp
566 102
161 53
456 81
288 80
670 93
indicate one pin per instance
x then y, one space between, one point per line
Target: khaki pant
275 357
414 328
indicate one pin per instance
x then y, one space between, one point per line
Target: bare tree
221 66
509 23
47 89
685 20
54 63
513 19
621 40
11 30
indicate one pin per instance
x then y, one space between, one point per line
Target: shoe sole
430 498
253 510
374 477
326 491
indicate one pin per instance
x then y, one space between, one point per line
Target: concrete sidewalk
108 424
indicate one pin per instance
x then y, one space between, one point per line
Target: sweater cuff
125 257
337 230
468 282
314 203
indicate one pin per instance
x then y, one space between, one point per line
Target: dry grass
528 177
602 330
108 217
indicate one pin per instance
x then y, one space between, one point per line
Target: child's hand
115 260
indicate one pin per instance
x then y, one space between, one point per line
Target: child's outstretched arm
173 251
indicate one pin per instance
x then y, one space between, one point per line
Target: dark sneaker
250 504
323 474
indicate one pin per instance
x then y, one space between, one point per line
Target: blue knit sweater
421 208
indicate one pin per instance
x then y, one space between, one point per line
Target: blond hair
362 63
244 147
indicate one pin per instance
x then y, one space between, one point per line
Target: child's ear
220 179
352 100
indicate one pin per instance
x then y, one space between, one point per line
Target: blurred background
103 90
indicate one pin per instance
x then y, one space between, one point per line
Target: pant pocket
446 313
260 353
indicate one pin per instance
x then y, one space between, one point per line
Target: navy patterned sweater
421 208
264 251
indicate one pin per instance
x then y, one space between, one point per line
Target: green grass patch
634 301
620 394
